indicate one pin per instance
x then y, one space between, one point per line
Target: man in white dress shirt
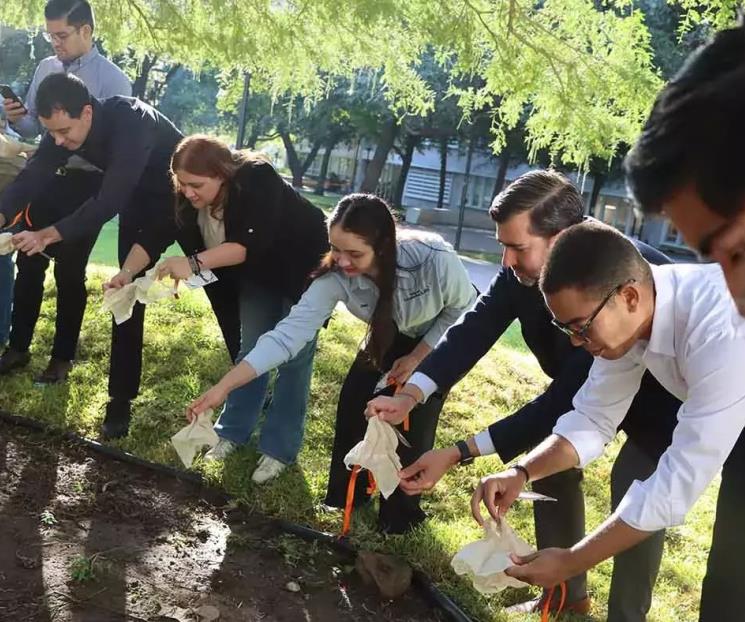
689 163
679 323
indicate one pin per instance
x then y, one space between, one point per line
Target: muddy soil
87 539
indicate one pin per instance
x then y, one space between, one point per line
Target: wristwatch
465 453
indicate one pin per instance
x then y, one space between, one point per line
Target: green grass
325 202
184 355
483 256
105 251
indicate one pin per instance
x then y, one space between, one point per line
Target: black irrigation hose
420 580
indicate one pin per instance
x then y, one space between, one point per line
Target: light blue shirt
102 77
432 291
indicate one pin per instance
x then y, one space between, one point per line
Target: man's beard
524 279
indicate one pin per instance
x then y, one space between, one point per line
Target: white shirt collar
662 339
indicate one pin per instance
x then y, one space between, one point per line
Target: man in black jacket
132 143
529 214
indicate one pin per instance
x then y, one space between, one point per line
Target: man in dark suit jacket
529 214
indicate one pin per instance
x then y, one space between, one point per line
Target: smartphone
8 93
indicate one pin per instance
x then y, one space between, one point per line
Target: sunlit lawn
184 355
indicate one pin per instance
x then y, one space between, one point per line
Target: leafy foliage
583 74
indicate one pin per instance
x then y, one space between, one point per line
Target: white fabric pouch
377 453
190 440
485 560
145 289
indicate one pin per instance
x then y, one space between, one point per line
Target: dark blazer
284 234
132 143
651 417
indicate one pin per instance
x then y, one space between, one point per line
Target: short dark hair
62 91
78 13
552 199
594 258
694 132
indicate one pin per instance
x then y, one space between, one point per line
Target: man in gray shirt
69 28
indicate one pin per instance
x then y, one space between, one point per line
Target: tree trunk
410 144
321 182
375 166
139 86
597 184
443 171
504 164
293 161
156 92
314 148
464 194
253 137
297 167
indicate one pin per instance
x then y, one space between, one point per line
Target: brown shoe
581 606
12 359
55 373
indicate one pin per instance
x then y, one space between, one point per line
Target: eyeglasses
581 332
58 37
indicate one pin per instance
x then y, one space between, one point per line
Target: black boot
116 423
12 359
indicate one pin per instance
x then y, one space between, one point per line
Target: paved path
475 240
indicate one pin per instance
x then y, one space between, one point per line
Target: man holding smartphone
69 28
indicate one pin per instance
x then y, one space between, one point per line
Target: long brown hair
207 156
371 218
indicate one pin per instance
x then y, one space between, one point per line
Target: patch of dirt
87 539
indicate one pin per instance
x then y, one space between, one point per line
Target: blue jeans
282 433
6 295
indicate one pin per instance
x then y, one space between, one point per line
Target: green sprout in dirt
47 518
296 552
81 568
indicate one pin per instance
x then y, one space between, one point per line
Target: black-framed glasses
581 332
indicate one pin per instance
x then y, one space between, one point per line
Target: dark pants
562 524
724 583
399 512
125 367
635 570
64 195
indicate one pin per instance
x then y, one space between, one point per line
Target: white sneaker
220 451
268 468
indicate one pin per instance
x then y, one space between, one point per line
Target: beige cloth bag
6 246
189 440
145 289
485 560
11 148
377 453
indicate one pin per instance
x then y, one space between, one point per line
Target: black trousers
125 367
562 524
400 512
64 195
724 583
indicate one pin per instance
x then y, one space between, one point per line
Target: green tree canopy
580 71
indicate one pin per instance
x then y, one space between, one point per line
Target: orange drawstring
371 485
349 504
350 500
547 604
25 214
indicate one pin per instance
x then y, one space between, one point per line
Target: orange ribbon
547 604
25 214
